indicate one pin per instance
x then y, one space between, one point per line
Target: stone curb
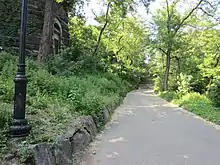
79 135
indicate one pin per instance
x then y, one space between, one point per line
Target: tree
168 23
46 38
49 13
103 28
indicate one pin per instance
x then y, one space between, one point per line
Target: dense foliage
194 51
185 59
195 103
54 100
102 63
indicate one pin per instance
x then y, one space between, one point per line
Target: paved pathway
146 130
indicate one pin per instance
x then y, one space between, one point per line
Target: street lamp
20 126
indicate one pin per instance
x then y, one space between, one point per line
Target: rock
78 137
109 110
89 125
63 151
106 115
84 122
80 140
13 161
9 157
43 154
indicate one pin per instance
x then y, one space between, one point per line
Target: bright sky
97 7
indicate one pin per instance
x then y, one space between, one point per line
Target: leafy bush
195 99
120 83
196 103
200 105
66 64
4 115
158 83
199 84
5 118
184 83
169 96
6 58
213 93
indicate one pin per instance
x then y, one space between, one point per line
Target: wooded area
186 48
82 68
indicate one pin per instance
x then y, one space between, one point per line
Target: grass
195 103
54 101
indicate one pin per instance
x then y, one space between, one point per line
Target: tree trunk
102 29
47 32
178 70
167 70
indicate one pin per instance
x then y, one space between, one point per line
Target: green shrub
198 85
4 115
195 98
6 90
66 64
213 93
196 103
6 58
169 96
59 64
123 85
199 104
5 118
184 83
158 83
106 86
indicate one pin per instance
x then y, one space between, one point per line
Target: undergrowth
54 100
196 103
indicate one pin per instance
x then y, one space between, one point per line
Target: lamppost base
20 128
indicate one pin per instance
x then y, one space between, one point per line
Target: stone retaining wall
80 134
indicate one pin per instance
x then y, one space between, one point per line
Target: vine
10 12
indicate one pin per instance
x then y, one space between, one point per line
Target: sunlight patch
120 139
113 156
169 105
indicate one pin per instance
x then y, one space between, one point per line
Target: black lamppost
20 127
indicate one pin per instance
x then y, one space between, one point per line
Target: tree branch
120 39
119 51
168 17
163 50
209 4
208 14
93 12
103 29
146 4
187 16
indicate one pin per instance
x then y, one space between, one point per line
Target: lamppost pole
20 126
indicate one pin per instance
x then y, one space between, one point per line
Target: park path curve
147 130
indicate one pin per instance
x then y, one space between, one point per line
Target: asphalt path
147 130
